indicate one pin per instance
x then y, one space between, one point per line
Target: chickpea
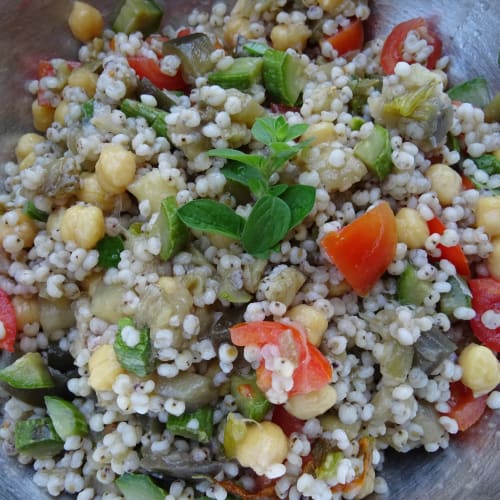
115 168
25 228
92 192
53 225
85 79
493 261
488 214
412 228
263 445
219 240
27 161
61 112
26 145
103 368
481 369
83 224
320 132
27 310
294 36
445 182
43 116
330 6
312 404
314 321
85 22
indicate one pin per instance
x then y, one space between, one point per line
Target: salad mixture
242 257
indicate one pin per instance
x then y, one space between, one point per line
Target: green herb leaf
281 152
247 175
277 189
211 216
300 200
489 163
234 154
266 226
109 249
33 212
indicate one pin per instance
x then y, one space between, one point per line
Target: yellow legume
314 321
312 404
115 168
445 181
411 228
26 144
481 369
85 22
83 224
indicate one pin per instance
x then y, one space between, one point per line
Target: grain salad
245 256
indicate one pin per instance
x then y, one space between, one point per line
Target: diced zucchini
229 292
138 15
256 48
250 400
165 98
474 91
37 437
28 372
135 486
174 234
284 76
410 289
431 349
194 52
242 74
396 361
375 152
66 418
459 296
328 467
136 359
197 425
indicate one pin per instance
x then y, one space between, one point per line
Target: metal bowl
31 30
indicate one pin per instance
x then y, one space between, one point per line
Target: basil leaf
212 217
300 200
234 154
278 189
247 175
263 130
109 249
489 163
295 131
266 225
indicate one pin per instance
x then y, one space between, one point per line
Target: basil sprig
278 208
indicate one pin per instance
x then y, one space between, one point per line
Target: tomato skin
8 318
349 38
313 369
149 68
454 254
46 68
392 51
464 407
363 249
286 421
485 296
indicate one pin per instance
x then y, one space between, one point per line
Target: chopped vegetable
361 90
327 469
66 418
492 109
431 349
489 163
454 254
132 347
249 399
458 296
411 289
109 248
174 234
396 361
363 249
138 15
197 425
146 67
154 116
37 437
164 98
375 152
135 486
392 51
486 297
28 372
286 421
8 328
87 110
349 38
474 91
310 369
284 76
194 51
464 407
242 74
35 213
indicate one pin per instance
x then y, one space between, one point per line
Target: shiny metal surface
35 29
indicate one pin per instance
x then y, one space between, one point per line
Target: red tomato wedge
464 407
363 249
454 254
485 297
392 51
349 38
146 67
8 320
313 370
